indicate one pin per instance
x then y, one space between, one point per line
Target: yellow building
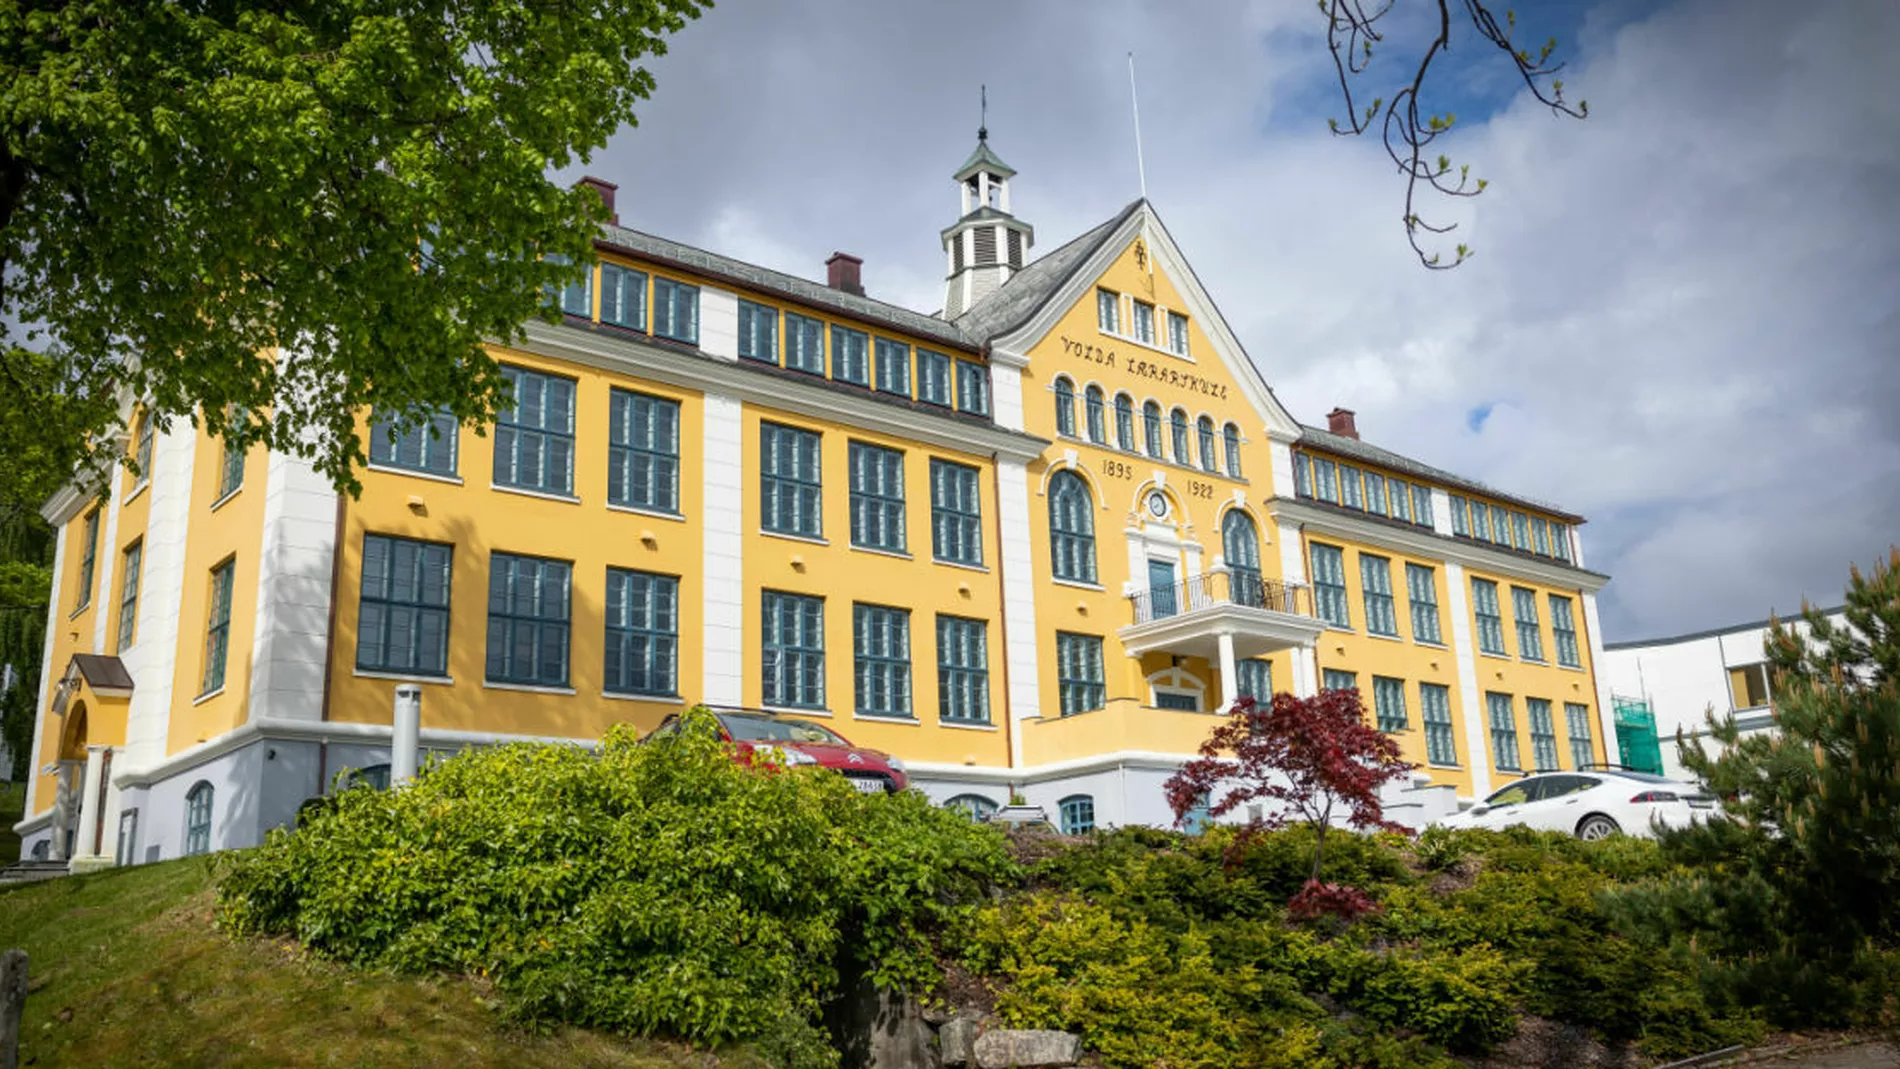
1035 544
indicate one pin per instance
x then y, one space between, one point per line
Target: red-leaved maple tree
1305 758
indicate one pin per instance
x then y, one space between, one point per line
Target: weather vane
983 120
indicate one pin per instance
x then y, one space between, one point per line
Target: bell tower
986 245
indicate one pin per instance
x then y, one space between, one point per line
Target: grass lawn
127 971
12 802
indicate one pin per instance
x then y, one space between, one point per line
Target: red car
801 742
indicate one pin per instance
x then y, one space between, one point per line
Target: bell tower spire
986 245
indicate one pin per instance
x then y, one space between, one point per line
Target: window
973 388
1151 428
129 593
1375 576
1071 528
528 600
1500 526
1177 333
1333 679
1388 704
428 447
1144 322
1240 551
1422 505
643 453
1563 629
794 668
1097 415
805 344
1748 686
1178 427
1530 641
758 332
218 627
956 517
1543 734
1065 406
1204 430
1484 597
1125 421
893 367
1583 751
1375 493
402 616
676 310
1560 541
1459 526
643 626
126 851
1349 482
877 497
963 670
534 436
974 806
1401 499
1421 589
231 467
1255 679
1540 536
1080 679
1325 480
198 818
1302 475
790 491
623 299
1503 731
1184 701
88 560
1441 747
1108 308
574 295
1521 531
1077 813
1329 585
850 356
1230 438
933 378
882 639
142 453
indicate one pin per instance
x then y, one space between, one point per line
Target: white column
719 322
86 843
1441 512
65 808
723 602
162 575
1229 671
41 713
1019 597
1470 705
106 605
296 554
1006 390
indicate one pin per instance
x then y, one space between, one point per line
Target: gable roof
1028 290
1386 458
983 159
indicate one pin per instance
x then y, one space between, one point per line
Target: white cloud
1682 309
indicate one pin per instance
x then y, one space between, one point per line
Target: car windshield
1512 795
768 729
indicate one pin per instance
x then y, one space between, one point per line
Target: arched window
1178 423
1097 414
1231 436
974 806
1240 548
1071 528
1151 426
375 777
1125 421
198 818
1205 430
1078 814
1065 406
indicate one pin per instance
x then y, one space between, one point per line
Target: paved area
1824 1056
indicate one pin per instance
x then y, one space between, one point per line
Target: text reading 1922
1146 369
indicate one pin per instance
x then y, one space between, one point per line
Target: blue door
1160 589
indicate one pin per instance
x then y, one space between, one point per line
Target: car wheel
1597 826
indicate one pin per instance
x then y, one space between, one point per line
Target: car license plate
868 786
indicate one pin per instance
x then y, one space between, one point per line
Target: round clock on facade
1158 505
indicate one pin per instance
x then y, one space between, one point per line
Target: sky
1682 320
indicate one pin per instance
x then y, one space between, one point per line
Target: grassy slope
127 970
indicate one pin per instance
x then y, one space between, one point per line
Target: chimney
842 273
1339 421
606 191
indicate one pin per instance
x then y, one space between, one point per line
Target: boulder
956 1041
1010 1048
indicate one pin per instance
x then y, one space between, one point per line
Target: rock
900 1038
957 1040
1010 1048
935 1012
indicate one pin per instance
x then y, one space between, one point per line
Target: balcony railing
1240 586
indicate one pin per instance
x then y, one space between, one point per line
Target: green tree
1793 896
296 210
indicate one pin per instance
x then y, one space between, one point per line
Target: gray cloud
1683 310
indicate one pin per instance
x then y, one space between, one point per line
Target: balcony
1221 615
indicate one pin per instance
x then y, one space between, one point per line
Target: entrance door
1161 589
1240 547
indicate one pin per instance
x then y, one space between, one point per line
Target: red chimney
606 191
1339 421
842 272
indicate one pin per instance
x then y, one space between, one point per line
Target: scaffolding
1636 734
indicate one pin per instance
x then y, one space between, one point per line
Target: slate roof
103 672
791 286
982 158
1385 458
1029 289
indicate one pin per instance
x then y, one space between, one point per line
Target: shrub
644 889
1460 999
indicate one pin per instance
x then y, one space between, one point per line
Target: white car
1590 804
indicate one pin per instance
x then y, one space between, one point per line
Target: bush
643 889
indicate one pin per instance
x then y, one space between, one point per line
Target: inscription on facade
1143 368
